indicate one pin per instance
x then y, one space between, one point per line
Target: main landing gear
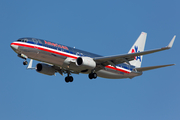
68 79
92 76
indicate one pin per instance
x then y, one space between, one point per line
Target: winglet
172 41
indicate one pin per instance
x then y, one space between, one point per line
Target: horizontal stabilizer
152 67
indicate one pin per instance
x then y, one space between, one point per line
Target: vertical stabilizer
138 47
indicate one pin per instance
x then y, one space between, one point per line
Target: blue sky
100 26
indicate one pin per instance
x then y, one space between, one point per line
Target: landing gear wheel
92 75
25 62
68 79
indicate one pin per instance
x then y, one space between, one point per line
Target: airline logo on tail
135 50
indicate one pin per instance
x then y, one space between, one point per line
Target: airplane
63 59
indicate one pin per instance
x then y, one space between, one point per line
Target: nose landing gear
23 57
25 62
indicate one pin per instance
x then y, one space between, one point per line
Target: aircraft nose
14 47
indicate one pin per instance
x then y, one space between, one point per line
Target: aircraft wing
117 59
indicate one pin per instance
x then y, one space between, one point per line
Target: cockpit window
25 40
19 40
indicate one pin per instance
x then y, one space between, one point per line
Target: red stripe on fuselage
51 51
121 70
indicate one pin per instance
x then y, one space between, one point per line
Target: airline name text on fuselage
56 45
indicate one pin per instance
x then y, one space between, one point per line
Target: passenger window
77 53
71 52
81 54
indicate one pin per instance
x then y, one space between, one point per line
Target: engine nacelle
85 63
45 69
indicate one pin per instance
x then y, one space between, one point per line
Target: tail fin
138 47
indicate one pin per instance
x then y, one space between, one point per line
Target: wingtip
171 42
171 64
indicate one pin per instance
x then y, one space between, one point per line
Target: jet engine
85 63
45 69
